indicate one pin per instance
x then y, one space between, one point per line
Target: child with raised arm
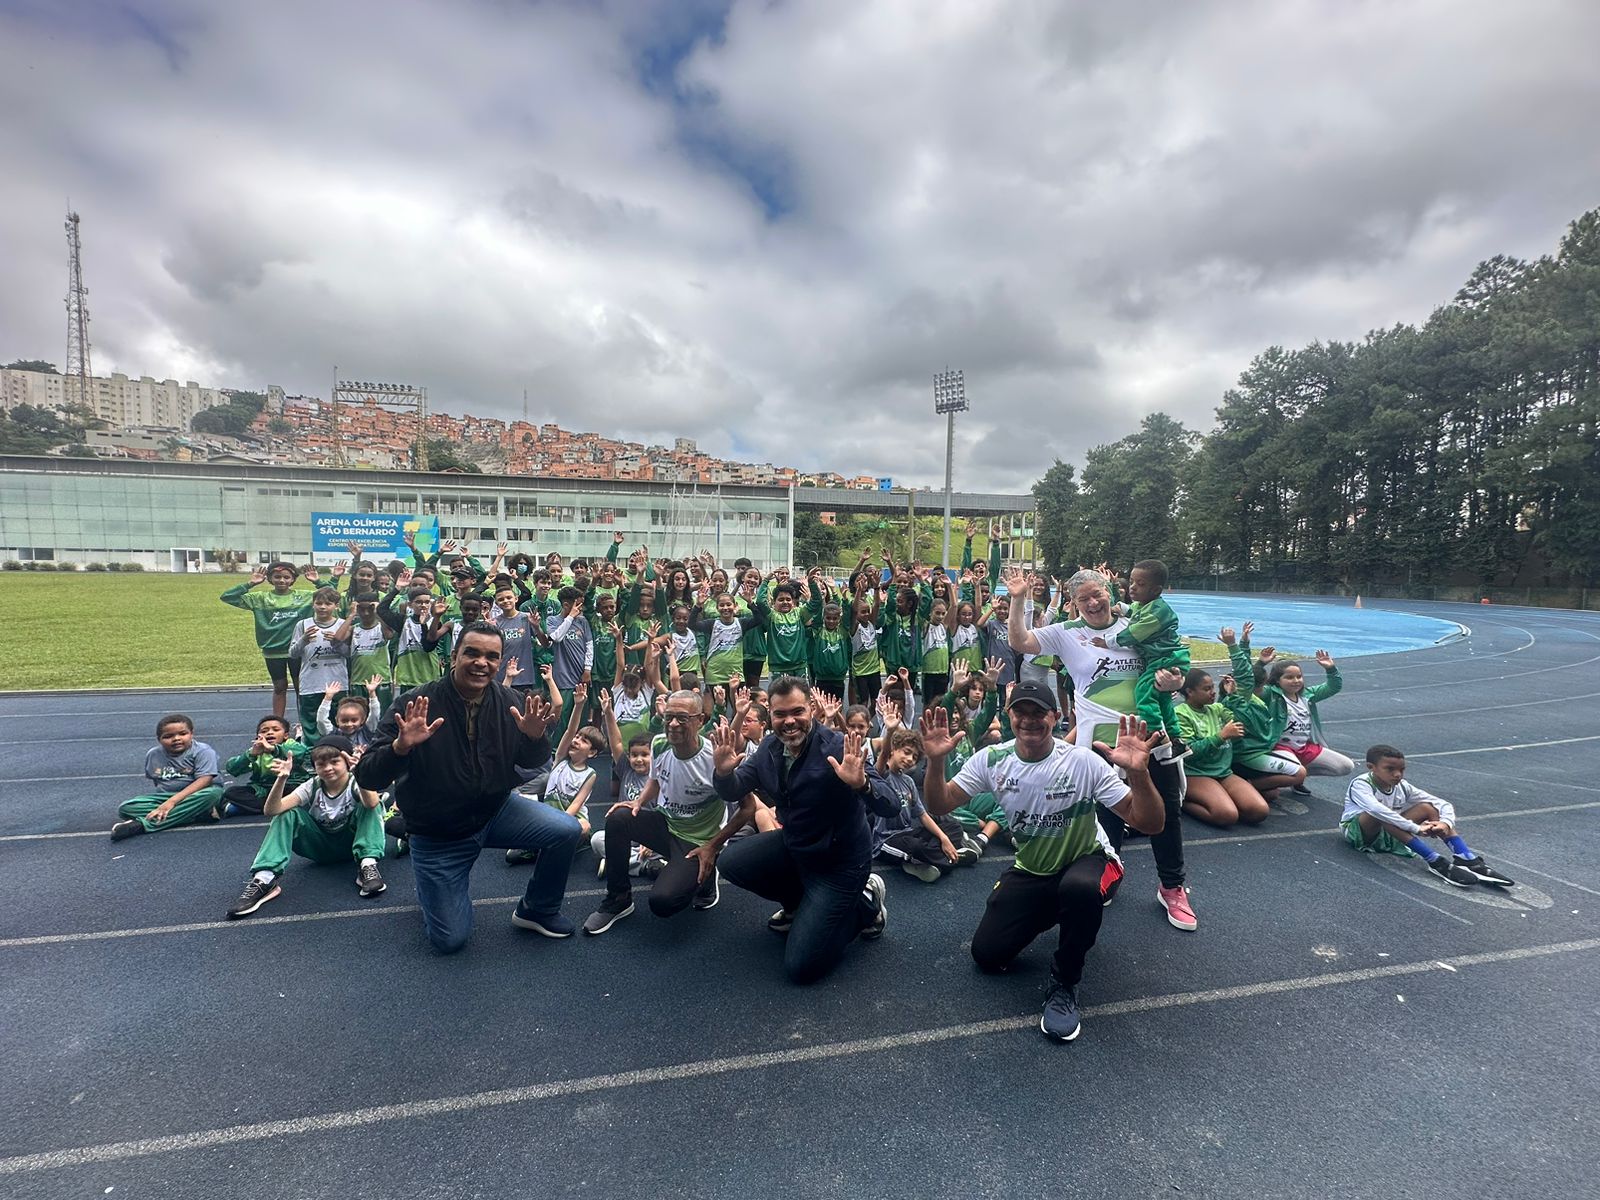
370 656
723 638
276 613
1303 736
183 773
920 843
353 717
866 663
329 819
324 657
571 780
416 634
1384 812
253 772
1263 714
1152 630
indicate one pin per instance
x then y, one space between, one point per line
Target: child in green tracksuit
787 641
1152 630
1262 712
184 774
328 819
829 654
276 613
253 769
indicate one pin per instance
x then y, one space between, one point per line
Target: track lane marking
339 1122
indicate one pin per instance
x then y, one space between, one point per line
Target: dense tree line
1466 451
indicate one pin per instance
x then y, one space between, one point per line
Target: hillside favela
150 419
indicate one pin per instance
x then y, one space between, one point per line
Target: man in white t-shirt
1051 793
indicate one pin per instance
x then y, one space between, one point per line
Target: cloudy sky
765 224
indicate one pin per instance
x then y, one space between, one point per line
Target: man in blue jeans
816 866
454 745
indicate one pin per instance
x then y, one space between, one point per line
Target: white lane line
340 1122
145 737
1470 659
341 914
1529 780
104 833
1524 867
177 705
1402 715
72 778
1594 737
1365 878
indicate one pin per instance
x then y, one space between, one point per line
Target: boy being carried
328 819
1152 630
1383 813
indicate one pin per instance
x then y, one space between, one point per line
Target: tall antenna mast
79 371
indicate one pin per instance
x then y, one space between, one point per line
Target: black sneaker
1060 1018
611 910
1451 873
879 891
781 921
369 881
968 851
709 892
256 893
126 829
1482 871
555 925
1300 789
516 858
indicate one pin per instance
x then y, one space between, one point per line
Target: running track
1329 1005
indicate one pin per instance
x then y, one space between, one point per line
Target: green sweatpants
308 718
192 808
981 808
296 832
1153 706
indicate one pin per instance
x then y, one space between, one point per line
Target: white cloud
774 241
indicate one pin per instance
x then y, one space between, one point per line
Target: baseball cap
1032 693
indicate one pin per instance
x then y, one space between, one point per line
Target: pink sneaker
1176 901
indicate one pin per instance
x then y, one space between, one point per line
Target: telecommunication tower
79 372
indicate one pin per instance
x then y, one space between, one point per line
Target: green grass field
152 630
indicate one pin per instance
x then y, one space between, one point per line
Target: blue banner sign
381 536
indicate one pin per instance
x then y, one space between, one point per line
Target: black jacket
821 816
448 787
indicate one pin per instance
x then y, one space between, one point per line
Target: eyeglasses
669 718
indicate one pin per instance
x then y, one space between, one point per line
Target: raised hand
580 695
852 768
726 749
1229 685
533 718
413 727
310 572
332 690
959 674
1249 628
1015 581
1134 740
605 702
439 607
374 684
1226 636
618 537
937 740
888 711
281 767
404 579
1324 660
991 670
1230 729
258 576
1268 653
339 568
1169 679
829 704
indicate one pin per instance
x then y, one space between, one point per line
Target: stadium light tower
949 398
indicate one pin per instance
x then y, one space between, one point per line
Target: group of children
609 642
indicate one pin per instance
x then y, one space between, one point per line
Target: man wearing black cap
1051 793
328 819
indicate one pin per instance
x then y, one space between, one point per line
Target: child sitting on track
920 843
1385 813
329 819
184 773
272 742
571 780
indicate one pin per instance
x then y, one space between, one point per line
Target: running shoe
926 872
781 921
877 891
126 829
550 925
1179 913
1483 872
516 858
256 893
1060 1019
611 910
369 880
1300 789
968 851
709 892
1452 873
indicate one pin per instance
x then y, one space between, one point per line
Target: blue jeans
443 866
825 896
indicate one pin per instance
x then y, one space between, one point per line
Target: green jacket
1263 714
1210 755
276 616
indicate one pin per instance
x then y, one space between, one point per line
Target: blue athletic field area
1339 1025
1337 626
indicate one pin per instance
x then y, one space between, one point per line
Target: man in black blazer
816 866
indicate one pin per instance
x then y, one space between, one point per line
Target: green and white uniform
369 656
1103 678
1051 804
687 797
275 615
1210 755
